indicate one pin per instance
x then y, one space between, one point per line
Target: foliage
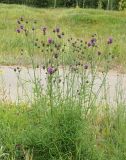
105 4
122 4
33 134
82 21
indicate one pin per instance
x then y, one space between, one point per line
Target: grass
64 121
69 135
80 23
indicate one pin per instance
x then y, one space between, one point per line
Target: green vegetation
105 4
64 120
34 134
74 22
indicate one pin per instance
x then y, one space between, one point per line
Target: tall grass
82 22
69 134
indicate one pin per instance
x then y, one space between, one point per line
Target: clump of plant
55 48
60 123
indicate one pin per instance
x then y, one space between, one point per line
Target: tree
108 4
77 4
122 4
55 3
105 4
100 4
84 3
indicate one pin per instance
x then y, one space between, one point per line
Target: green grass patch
69 134
79 23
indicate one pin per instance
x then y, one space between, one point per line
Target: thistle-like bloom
57 30
93 40
110 40
50 40
44 29
85 66
22 27
50 70
18 31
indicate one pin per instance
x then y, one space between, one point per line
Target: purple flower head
85 66
44 30
93 44
50 40
57 30
110 40
50 70
18 31
22 27
93 40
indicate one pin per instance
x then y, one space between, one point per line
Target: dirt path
16 85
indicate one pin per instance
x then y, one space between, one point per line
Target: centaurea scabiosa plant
76 81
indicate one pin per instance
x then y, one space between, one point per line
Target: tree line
103 4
